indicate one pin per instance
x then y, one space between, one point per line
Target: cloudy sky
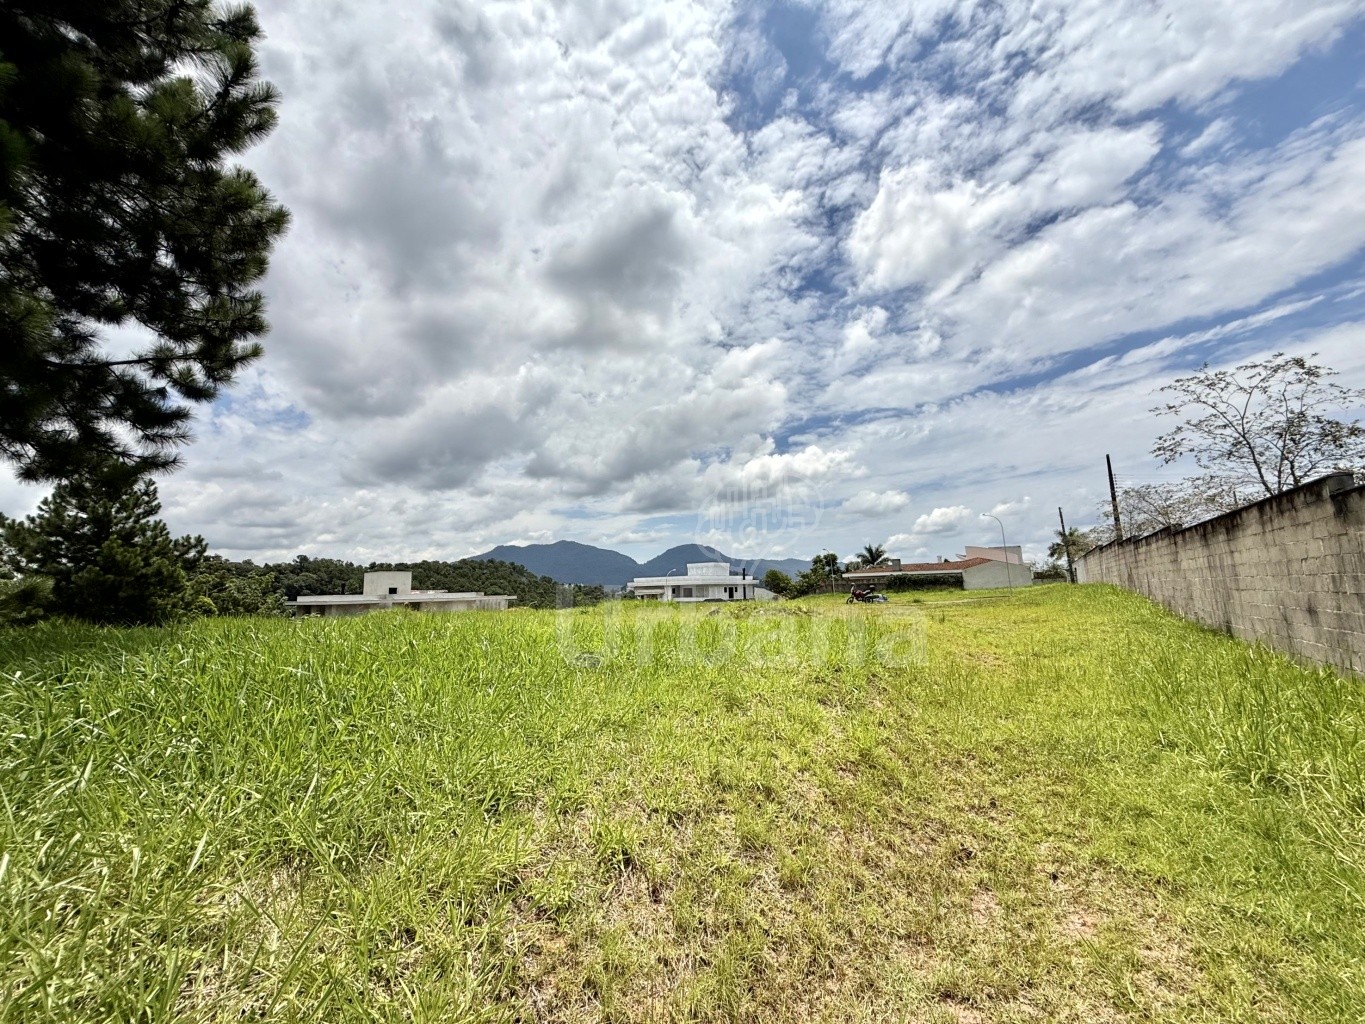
772 277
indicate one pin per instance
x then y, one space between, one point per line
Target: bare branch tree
1146 508
1271 423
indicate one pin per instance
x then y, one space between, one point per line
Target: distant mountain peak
570 561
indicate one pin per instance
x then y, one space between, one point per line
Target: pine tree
117 208
23 598
109 557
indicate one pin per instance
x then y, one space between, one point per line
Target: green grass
1059 805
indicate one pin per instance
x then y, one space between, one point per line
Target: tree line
824 575
96 550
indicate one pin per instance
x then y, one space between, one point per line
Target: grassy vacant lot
1061 806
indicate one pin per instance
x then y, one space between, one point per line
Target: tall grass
230 818
1289 736
638 813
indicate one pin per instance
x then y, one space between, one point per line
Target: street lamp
1004 549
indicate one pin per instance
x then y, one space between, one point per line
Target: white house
393 589
705 581
975 573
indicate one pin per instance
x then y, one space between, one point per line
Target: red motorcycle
865 595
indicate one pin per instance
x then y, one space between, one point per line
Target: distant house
393 589
705 581
974 573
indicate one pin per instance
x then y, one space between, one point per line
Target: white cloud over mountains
607 272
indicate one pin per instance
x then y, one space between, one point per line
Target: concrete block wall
1288 571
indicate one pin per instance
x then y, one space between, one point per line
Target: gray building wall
481 603
996 574
337 609
1288 571
1013 553
453 603
377 584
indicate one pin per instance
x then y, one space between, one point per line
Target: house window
393 590
686 592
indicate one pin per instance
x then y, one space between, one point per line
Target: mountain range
567 561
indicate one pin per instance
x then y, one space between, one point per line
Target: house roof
910 568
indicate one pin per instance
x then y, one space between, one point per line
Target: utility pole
1114 499
1066 546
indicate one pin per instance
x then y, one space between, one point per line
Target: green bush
901 582
778 582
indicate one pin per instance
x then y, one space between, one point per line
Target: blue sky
776 278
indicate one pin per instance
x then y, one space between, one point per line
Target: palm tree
872 554
1072 544
1068 547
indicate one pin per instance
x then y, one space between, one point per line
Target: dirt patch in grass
902 915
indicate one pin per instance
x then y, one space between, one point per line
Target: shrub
901 582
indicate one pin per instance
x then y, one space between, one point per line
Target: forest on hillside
244 587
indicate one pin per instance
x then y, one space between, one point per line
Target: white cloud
1298 212
949 519
876 504
1214 134
1172 51
1012 508
1134 54
925 228
861 337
